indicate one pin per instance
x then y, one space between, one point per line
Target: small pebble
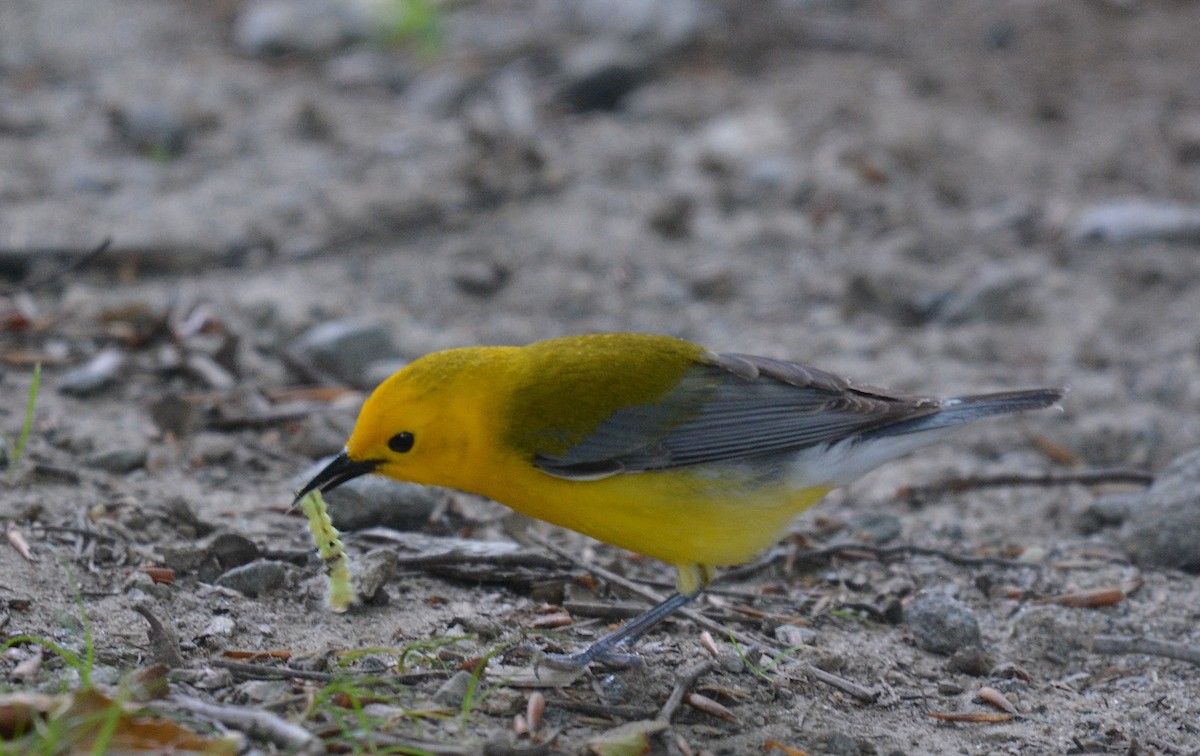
220 626
345 348
175 415
941 624
371 572
259 691
254 579
117 461
480 278
155 131
971 660
1108 511
598 76
310 28
211 449
453 692
876 527
794 635
231 550
1164 521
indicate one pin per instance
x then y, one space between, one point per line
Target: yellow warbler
646 442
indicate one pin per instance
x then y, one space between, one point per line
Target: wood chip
1090 599
534 709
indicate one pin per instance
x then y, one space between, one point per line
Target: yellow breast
683 516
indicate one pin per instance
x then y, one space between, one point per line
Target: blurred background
302 195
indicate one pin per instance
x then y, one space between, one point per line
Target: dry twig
1113 644
683 683
256 723
849 687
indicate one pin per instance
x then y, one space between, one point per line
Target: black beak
337 472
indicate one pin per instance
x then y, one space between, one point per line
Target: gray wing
733 407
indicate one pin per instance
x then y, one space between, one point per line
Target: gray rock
1163 527
119 461
1124 437
598 76
1043 632
211 449
1136 220
259 691
254 579
1107 512
373 500
794 635
152 130
371 572
270 28
454 691
877 527
941 624
323 434
345 348
229 550
480 277
971 660
175 415
380 371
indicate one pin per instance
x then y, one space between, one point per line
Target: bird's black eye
401 442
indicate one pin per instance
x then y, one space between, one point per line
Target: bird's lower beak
337 472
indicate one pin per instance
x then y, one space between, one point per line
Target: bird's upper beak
340 469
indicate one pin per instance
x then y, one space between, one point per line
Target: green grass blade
23 439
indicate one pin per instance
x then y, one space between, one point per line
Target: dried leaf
995 698
708 706
19 710
86 719
630 739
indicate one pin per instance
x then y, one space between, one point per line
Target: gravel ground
928 196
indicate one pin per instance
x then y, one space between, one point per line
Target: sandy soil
910 193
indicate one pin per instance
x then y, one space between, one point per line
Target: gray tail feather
964 409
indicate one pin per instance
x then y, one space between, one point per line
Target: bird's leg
604 650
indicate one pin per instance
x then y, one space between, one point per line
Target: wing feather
731 407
